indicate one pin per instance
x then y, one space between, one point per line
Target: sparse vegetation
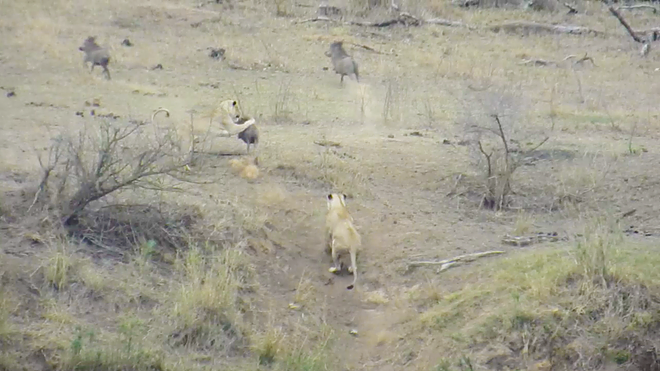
573 308
119 250
85 167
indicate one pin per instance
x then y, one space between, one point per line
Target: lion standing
341 235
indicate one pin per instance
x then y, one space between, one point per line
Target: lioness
341 234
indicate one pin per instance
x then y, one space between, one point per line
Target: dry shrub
491 124
87 166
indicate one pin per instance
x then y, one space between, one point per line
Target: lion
160 109
229 115
341 234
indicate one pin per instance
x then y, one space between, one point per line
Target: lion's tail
350 287
161 109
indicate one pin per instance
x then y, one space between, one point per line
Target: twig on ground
365 47
583 59
327 143
315 19
571 9
537 146
626 214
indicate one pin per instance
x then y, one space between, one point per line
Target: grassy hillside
456 139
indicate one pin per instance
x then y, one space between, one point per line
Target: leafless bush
492 141
85 167
500 169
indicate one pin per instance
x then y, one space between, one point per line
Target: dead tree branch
538 62
404 18
641 6
571 9
448 23
503 137
533 27
625 24
449 263
490 169
316 19
365 47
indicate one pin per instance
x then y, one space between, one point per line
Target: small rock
218 53
157 67
127 42
96 102
446 141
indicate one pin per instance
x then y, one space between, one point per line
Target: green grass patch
595 302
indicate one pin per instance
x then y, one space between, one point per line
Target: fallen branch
571 9
583 59
404 18
315 19
543 62
327 143
533 27
446 22
642 6
538 62
532 239
448 263
407 19
625 24
365 47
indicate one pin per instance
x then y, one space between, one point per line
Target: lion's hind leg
335 259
